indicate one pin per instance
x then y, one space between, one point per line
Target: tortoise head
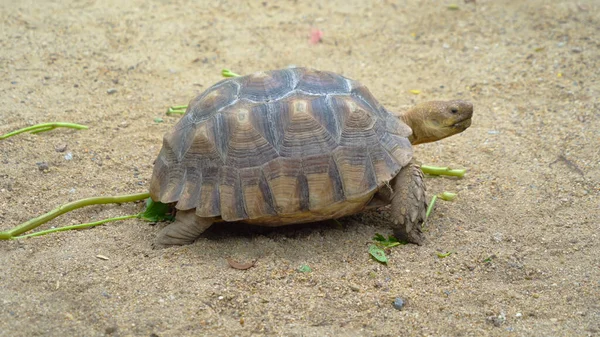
435 120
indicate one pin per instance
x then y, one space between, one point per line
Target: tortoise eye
454 110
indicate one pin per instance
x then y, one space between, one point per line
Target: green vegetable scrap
44 127
304 269
378 254
489 259
390 242
181 109
154 211
229 73
447 196
177 110
442 171
430 207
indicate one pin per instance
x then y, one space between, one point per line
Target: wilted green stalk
44 127
34 223
80 226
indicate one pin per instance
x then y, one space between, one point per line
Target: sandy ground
524 228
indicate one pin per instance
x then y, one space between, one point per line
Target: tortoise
292 146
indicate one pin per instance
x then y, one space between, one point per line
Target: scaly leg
409 204
185 230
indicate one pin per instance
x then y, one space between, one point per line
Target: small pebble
60 147
69 156
576 50
110 330
111 91
497 321
42 166
398 303
518 314
102 257
355 288
497 237
493 132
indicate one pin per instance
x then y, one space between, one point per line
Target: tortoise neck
409 118
419 120
407 121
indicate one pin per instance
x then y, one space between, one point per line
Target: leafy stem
44 127
80 226
36 222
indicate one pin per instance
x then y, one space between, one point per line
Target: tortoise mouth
465 123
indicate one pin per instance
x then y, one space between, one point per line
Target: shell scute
321 82
267 86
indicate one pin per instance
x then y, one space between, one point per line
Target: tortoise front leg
185 230
409 204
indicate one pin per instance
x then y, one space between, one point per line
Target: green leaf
156 211
390 242
378 254
393 244
158 120
304 269
392 239
443 255
379 237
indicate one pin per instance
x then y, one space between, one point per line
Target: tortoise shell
280 147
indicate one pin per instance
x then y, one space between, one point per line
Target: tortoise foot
409 204
185 230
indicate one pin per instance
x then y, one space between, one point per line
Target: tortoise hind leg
409 204
185 230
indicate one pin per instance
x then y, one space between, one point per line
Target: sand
523 229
